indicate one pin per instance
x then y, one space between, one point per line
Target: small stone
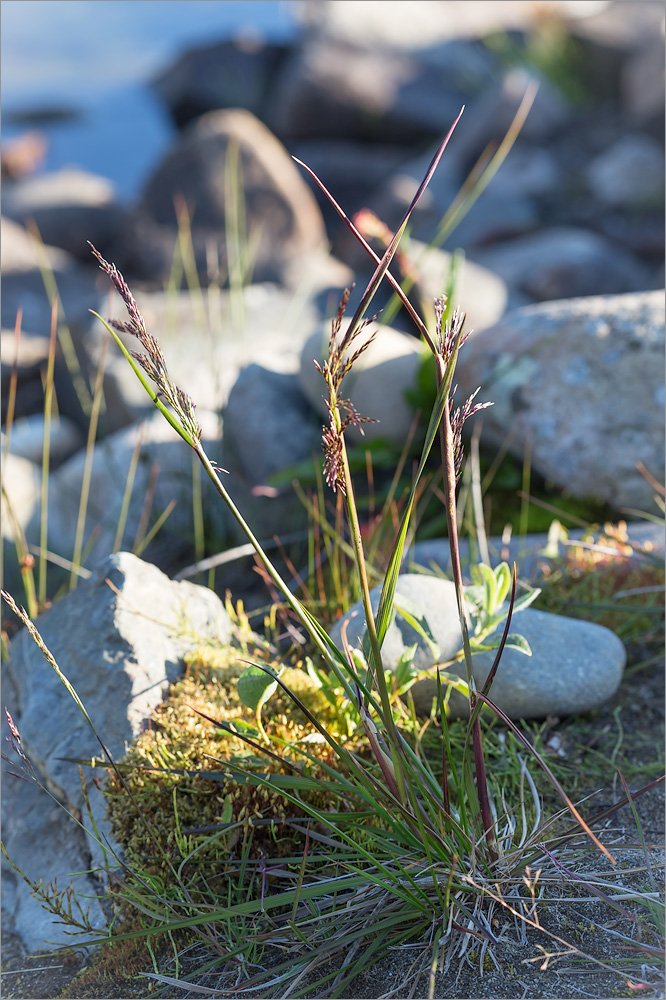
21 485
27 438
69 207
630 174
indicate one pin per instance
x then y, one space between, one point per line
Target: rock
630 174
20 251
26 292
376 385
69 207
611 38
497 214
575 666
565 262
415 24
352 172
27 438
269 427
237 73
393 198
269 424
282 219
207 341
582 381
164 473
336 90
21 485
527 170
491 219
28 357
119 648
488 118
642 84
482 294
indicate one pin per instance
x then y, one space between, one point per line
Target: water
95 58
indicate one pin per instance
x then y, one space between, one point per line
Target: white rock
21 482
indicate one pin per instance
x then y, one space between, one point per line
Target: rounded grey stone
575 665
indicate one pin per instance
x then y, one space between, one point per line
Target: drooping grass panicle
153 361
342 412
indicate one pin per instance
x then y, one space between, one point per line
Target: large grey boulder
119 639
575 666
581 381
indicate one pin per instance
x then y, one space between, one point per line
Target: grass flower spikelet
153 361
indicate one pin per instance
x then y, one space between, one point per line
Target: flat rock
69 207
376 385
582 381
119 648
575 666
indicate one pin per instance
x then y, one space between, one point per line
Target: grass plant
336 826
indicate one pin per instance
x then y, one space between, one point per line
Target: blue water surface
95 57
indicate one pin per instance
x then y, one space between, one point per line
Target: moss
176 773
